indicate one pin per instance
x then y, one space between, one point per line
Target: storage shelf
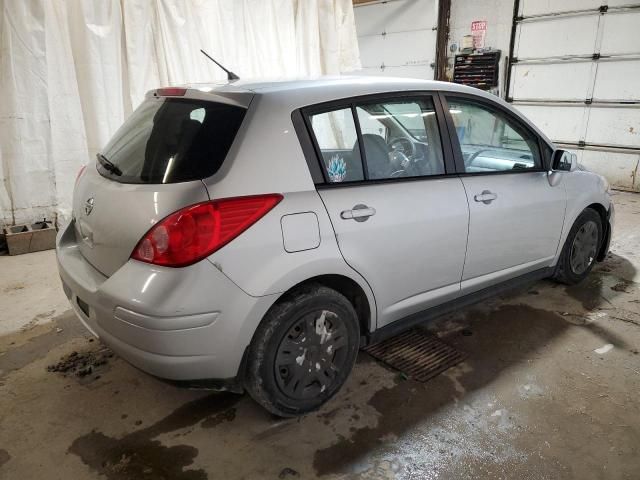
478 70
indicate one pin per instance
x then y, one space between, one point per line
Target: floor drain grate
418 354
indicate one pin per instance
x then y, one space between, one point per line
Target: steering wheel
402 145
401 165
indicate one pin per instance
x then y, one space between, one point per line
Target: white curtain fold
72 70
96 34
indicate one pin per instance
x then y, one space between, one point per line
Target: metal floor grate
418 354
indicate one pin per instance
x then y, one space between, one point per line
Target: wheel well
350 289
601 211
604 247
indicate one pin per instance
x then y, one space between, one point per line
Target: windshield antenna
230 75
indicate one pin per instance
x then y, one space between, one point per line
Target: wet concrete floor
550 389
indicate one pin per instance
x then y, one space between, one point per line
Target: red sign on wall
478 32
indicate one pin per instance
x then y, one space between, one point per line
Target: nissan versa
253 236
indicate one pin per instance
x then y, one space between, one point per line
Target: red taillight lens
80 172
195 232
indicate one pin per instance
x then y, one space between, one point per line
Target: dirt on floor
549 389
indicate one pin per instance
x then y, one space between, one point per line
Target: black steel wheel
303 351
311 355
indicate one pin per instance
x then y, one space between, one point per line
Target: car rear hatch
152 167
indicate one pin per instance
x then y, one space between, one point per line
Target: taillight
80 172
195 232
171 92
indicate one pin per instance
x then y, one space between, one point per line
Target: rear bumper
183 324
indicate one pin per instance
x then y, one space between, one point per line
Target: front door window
490 141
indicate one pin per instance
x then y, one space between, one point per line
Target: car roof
296 93
361 82
291 94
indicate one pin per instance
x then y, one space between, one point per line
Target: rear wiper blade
108 165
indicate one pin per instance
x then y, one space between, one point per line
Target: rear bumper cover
183 324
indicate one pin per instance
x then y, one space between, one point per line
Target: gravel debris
82 364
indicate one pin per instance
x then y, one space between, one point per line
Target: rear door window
171 140
401 138
337 139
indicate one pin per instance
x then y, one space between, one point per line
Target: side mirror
564 161
561 161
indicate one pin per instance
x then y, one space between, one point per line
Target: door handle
359 213
486 197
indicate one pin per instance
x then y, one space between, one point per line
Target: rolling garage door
575 72
398 37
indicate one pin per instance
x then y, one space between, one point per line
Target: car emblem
88 206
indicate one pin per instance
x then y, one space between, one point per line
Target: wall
499 17
413 22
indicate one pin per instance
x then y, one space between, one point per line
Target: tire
303 351
567 270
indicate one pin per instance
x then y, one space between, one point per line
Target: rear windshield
171 140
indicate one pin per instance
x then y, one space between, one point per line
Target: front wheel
302 351
580 249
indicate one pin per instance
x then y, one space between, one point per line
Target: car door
516 216
400 220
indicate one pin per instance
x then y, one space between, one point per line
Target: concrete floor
550 389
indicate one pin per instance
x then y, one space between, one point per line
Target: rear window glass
171 140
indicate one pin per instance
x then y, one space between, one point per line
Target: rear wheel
580 249
303 351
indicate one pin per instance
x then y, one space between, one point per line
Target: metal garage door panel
559 81
557 123
542 7
619 80
371 51
369 19
614 126
398 50
557 37
620 169
398 16
621 33
408 46
609 128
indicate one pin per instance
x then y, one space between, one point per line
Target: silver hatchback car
253 236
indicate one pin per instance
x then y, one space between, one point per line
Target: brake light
80 172
195 232
171 92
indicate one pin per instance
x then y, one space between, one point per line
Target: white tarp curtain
72 70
